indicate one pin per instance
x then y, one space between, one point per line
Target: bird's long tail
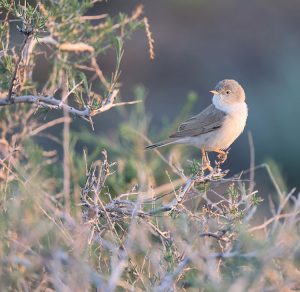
161 144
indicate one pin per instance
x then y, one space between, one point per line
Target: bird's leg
222 155
205 160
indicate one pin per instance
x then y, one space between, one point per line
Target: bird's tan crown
231 90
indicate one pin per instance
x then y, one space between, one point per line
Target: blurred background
198 43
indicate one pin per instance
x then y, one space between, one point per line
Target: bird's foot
222 157
207 166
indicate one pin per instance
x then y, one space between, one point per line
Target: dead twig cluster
120 209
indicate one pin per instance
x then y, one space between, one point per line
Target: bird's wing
208 120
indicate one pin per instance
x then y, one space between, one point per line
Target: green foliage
233 192
29 15
196 168
6 69
170 257
256 200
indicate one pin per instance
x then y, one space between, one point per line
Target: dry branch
50 102
47 102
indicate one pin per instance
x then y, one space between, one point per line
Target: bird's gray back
207 121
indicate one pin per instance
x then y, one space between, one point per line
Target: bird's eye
228 91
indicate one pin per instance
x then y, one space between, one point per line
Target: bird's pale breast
233 125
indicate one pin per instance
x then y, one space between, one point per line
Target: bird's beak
214 92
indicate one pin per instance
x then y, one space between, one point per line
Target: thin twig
275 218
10 91
93 17
48 125
99 72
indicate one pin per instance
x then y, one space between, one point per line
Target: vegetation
79 213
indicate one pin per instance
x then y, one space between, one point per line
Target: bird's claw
208 167
222 157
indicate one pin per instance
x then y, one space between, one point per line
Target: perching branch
189 184
119 209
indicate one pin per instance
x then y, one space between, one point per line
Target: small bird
217 126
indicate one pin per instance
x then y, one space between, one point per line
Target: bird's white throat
230 108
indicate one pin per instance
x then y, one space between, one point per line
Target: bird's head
229 91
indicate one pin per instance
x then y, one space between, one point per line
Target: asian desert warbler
217 126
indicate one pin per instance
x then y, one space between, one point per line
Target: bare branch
99 72
48 125
275 218
46 102
50 102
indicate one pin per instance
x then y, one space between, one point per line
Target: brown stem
27 35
